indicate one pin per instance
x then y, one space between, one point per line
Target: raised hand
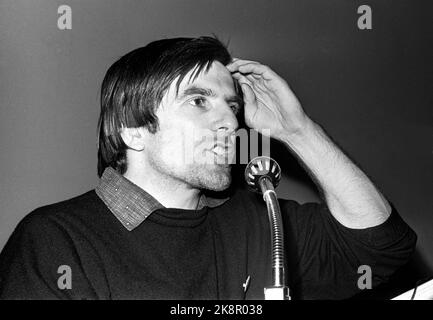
269 101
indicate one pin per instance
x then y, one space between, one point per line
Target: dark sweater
184 254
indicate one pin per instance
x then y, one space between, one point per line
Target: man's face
194 143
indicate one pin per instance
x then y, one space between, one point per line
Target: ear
134 138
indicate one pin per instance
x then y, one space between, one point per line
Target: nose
226 120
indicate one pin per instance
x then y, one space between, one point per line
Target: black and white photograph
207 150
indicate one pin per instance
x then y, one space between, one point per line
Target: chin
220 186
217 179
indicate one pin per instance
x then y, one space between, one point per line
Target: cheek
182 141
171 146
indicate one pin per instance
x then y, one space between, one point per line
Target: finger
256 81
248 92
238 60
258 70
250 98
247 88
253 78
250 81
232 66
243 79
250 106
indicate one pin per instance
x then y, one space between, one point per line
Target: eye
198 102
235 108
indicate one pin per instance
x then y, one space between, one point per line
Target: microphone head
261 167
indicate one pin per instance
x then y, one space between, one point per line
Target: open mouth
221 150
224 153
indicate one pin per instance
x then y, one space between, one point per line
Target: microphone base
277 293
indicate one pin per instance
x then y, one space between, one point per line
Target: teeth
219 150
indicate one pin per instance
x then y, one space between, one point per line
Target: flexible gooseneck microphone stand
262 175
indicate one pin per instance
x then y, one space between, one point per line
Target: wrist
299 134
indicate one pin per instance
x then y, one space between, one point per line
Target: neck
170 192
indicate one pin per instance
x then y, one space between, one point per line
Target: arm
270 104
350 195
325 257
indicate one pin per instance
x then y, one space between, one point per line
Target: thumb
249 96
250 104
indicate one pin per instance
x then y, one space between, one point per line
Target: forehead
217 75
217 78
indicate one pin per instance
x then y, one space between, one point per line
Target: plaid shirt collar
130 204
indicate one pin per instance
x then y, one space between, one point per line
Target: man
151 229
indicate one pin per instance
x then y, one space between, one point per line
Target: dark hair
134 86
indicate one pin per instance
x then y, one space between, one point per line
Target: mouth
223 152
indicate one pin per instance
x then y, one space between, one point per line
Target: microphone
263 175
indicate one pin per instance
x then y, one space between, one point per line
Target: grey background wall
371 89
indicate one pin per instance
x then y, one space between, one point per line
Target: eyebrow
196 90
193 90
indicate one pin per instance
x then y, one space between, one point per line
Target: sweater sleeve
331 261
40 261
